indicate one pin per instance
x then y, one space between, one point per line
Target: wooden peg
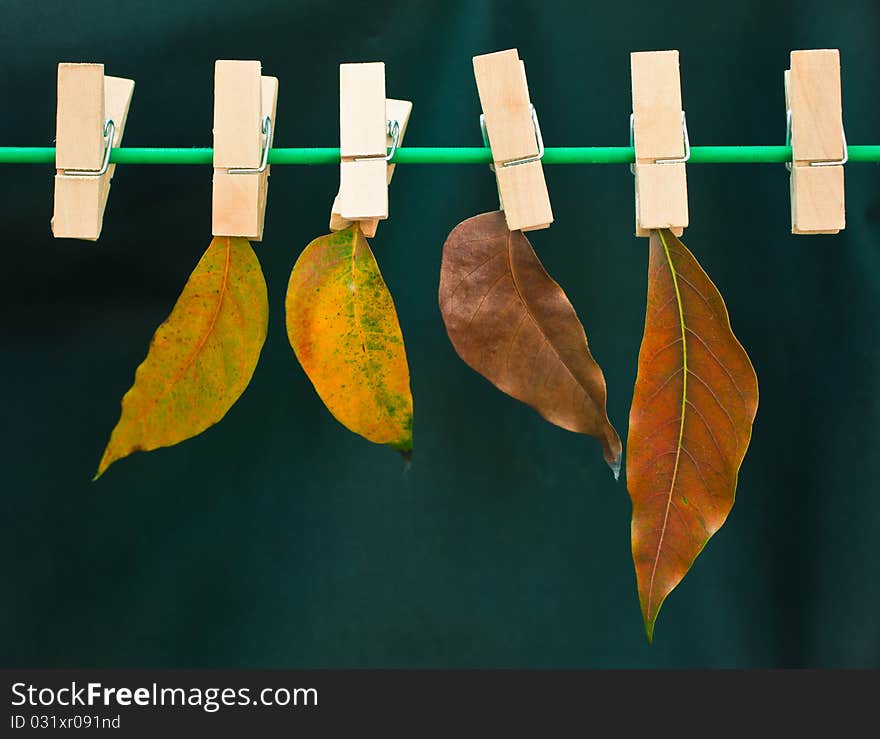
363 171
243 99
658 134
813 98
395 110
507 112
364 138
87 99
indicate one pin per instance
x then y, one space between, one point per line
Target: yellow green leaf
343 327
201 358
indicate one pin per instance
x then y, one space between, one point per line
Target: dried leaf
513 324
695 399
343 328
201 358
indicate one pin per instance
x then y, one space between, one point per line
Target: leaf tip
615 466
113 453
406 452
404 446
612 451
649 619
650 612
407 460
102 466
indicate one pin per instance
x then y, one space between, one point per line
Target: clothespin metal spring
266 129
677 160
393 128
109 134
525 160
833 163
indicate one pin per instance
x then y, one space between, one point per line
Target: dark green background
280 539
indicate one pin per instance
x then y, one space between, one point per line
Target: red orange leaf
694 402
513 324
343 328
201 358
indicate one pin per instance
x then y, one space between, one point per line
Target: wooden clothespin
244 126
369 124
92 110
814 123
513 132
658 131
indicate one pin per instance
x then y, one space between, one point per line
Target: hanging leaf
513 324
694 402
343 328
201 358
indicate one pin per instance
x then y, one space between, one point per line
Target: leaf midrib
377 391
684 401
537 323
202 341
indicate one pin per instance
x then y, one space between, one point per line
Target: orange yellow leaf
343 327
695 398
201 358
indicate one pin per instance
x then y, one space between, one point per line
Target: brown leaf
201 358
514 325
694 402
343 328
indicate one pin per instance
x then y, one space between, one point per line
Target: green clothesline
449 155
